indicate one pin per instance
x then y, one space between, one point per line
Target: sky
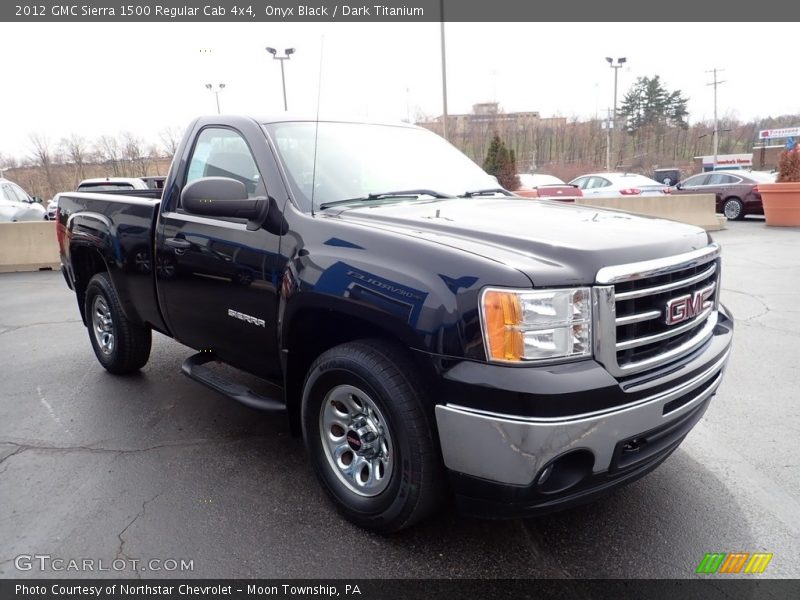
95 79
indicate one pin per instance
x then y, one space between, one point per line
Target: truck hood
551 242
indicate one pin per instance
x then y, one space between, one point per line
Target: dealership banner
397 10
707 588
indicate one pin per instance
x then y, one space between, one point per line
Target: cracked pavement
156 466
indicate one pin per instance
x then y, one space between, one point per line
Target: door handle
178 243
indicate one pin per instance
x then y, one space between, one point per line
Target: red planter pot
781 203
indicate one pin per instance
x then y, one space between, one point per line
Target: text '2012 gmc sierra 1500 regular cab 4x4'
425 331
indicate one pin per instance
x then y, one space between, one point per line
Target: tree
43 155
170 140
76 150
108 150
501 163
649 103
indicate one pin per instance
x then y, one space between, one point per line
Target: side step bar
193 367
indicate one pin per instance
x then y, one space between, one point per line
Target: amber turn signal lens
503 315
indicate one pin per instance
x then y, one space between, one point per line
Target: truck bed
117 229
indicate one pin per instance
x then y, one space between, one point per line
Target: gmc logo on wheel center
689 306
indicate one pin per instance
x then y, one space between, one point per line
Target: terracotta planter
781 203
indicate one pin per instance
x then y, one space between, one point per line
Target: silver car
17 205
52 206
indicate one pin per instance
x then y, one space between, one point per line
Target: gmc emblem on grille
687 307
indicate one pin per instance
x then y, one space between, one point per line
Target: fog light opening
566 471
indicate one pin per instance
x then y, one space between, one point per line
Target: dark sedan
736 191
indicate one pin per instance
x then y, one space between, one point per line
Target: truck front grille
632 329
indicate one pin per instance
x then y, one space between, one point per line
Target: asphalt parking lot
157 466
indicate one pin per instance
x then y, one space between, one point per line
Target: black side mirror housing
226 197
220 197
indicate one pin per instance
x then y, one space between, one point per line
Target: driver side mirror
679 186
226 197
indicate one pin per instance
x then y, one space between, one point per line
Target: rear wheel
369 434
120 345
733 209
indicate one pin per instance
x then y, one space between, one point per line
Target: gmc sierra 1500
424 330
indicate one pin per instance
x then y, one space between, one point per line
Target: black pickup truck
425 331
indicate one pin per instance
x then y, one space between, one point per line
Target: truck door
217 281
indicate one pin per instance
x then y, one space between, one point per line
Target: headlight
531 325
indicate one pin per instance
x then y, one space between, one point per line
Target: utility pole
620 61
444 75
608 141
715 83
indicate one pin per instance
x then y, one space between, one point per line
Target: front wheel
121 345
369 433
733 209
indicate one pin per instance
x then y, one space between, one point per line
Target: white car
52 206
17 205
109 184
619 184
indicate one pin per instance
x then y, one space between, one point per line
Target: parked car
736 191
539 185
155 182
619 184
668 176
17 205
424 330
107 184
52 206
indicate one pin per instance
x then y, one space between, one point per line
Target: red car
736 191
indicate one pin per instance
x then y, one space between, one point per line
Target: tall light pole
613 125
287 54
216 90
715 83
444 75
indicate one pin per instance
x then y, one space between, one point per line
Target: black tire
415 484
733 207
130 342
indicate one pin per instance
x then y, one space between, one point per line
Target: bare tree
135 154
44 156
76 150
109 151
170 140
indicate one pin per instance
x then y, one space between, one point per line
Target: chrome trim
637 318
674 285
513 451
658 266
658 337
605 321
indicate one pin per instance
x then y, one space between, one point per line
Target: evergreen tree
649 104
501 163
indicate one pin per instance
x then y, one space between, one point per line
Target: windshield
355 160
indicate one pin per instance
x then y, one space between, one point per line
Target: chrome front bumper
514 450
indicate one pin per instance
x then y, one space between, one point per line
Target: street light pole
715 83
444 75
613 125
216 91
287 54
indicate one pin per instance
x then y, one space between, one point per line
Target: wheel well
86 263
312 332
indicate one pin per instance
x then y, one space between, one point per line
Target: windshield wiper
486 192
379 196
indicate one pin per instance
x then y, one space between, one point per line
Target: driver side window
220 152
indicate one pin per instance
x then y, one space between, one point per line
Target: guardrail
694 209
28 246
